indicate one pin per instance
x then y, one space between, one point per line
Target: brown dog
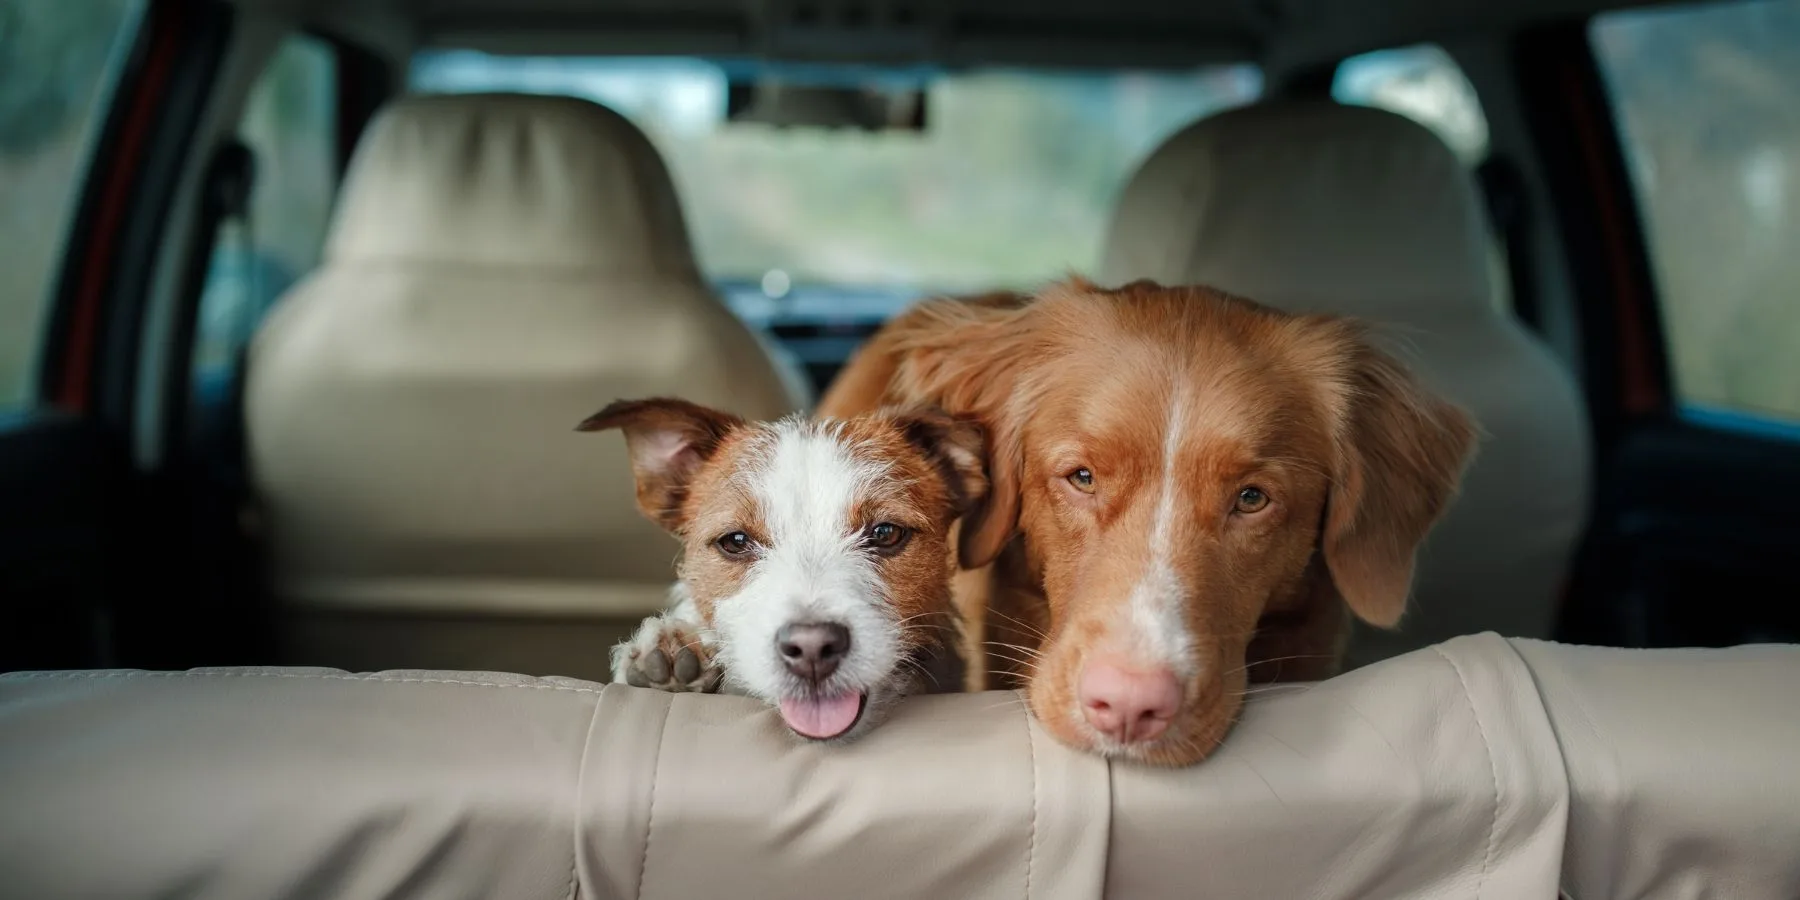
1200 487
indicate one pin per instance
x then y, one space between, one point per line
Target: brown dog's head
1185 468
815 551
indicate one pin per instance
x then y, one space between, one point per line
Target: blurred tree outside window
1707 100
58 61
1010 184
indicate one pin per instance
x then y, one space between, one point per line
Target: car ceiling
1113 33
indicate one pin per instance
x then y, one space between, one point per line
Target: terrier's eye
1251 500
886 536
736 543
1082 479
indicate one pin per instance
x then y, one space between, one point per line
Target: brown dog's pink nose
1129 705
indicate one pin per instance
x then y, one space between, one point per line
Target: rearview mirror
782 105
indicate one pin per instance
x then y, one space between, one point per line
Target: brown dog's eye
1082 479
1251 500
736 543
886 536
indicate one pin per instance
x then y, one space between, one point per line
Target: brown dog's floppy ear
668 440
958 445
971 357
1401 453
991 524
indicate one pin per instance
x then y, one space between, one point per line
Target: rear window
1010 183
1708 105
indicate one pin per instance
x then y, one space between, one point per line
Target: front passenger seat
499 267
1310 206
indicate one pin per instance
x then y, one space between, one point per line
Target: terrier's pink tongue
821 718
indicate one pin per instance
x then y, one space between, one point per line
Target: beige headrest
515 180
500 267
1309 205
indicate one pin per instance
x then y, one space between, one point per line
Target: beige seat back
1315 207
499 267
1480 768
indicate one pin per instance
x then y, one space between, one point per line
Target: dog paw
667 655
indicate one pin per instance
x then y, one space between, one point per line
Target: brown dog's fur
1176 399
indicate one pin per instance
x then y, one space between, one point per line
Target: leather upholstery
1312 206
1479 768
499 267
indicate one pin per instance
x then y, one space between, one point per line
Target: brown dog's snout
1128 704
812 650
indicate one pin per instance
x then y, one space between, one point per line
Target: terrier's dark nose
812 650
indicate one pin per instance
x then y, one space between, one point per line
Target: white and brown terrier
816 564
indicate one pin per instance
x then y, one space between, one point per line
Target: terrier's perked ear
668 440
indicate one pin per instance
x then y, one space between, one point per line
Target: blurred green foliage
1708 98
54 55
50 55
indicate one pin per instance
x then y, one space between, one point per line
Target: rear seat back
499 267
1480 768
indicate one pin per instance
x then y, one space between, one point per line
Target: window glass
57 63
1010 183
1424 84
1707 100
290 125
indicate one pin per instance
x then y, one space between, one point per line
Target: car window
58 59
289 123
1010 183
1707 100
1423 83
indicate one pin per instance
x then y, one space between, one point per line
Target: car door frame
1692 519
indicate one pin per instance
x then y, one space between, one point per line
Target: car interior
301 302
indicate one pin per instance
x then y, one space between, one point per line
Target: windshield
1010 183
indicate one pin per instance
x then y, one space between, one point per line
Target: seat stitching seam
47 676
1487 747
1031 838
655 782
587 745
